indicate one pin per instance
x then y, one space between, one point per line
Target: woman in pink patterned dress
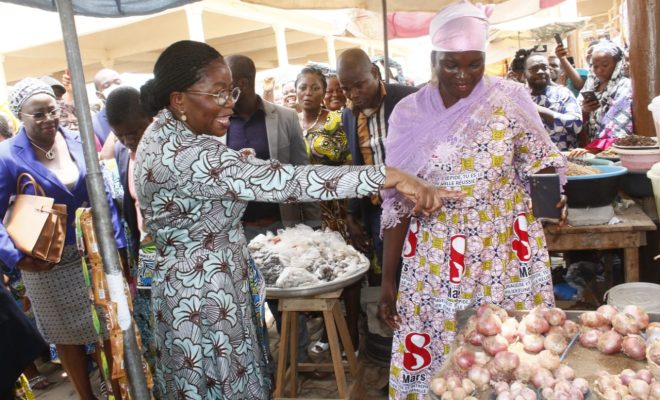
483 135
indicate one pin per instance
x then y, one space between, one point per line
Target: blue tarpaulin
107 8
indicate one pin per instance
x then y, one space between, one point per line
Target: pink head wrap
461 27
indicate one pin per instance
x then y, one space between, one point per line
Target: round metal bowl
320 288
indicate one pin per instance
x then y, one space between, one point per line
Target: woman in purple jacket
54 157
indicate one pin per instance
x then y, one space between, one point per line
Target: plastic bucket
654 175
654 107
643 294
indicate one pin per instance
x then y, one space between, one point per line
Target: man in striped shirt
365 122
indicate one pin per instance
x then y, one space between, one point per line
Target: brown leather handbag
35 224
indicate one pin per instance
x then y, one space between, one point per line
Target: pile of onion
612 331
628 384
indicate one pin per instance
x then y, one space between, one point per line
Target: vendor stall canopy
108 8
373 5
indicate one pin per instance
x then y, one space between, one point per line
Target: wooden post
644 26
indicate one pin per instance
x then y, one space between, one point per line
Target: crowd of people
582 110
430 183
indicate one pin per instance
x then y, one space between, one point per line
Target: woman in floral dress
207 294
483 135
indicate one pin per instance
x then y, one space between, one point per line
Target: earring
183 116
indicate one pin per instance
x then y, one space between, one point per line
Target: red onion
609 342
593 319
528 394
555 316
480 376
581 384
453 382
654 352
510 329
562 386
655 390
559 330
555 343
645 375
634 347
589 338
463 358
548 360
575 394
495 344
475 338
542 378
492 308
506 395
481 358
571 328
438 386
489 324
547 393
539 310
468 385
459 393
532 343
625 324
639 388
626 376
565 372
652 332
607 311
506 361
536 324
612 394
525 370
639 314
499 387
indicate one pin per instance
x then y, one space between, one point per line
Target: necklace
50 154
305 130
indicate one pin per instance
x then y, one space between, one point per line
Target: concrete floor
368 385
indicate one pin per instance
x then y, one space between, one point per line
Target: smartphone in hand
589 95
558 39
545 192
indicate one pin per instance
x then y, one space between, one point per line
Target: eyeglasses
41 116
222 96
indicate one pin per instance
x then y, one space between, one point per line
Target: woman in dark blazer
54 157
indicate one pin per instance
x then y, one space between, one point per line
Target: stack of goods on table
302 257
499 356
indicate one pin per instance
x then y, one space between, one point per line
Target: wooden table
628 235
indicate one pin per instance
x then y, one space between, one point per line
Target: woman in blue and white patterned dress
207 294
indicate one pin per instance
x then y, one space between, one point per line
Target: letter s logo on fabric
416 356
410 246
457 258
521 245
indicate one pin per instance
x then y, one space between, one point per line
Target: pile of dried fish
300 256
637 141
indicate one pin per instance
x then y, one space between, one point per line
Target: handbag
35 224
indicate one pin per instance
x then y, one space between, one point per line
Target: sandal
40 382
320 347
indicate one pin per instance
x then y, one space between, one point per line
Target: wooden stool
329 304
